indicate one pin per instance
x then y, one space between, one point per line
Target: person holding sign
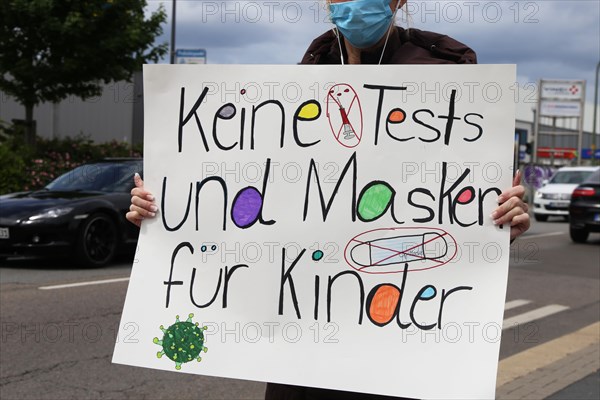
364 33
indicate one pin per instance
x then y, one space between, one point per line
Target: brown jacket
405 46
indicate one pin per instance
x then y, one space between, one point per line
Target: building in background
555 150
117 114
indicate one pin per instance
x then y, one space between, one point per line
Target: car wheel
579 235
98 241
541 217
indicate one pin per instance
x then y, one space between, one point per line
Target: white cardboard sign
327 226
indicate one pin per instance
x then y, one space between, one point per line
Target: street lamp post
173 9
594 133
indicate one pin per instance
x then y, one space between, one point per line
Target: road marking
88 283
540 356
515 303
539 235
533 315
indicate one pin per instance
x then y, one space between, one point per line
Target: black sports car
584 210
81 213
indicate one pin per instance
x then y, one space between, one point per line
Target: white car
554 197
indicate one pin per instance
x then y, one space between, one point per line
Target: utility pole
173 10
594 140
553 150
532 157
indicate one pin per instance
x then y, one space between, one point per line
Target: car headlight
538 195
51 213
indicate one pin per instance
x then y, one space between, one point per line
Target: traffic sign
190 56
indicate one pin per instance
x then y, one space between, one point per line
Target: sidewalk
549 368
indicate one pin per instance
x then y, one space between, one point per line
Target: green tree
51 49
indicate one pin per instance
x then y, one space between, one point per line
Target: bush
23 168
12 169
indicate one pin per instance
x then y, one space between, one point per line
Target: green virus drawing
182 342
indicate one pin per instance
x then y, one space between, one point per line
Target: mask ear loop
337 35
389 31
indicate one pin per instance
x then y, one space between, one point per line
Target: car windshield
100 177
572 177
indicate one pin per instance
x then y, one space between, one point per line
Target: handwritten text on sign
325 226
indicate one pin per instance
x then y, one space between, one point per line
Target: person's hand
142 203
513 210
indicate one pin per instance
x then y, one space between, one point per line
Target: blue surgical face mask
362 22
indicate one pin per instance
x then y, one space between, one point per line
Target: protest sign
324 226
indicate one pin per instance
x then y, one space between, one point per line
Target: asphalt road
57 343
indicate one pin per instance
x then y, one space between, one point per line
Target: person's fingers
137 179
509 216
144 204
517 178
145 211
520 224
513 202
520 219
515 191
139 190
512 209
134 218
142 194
503 209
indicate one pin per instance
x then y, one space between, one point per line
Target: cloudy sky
545 38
